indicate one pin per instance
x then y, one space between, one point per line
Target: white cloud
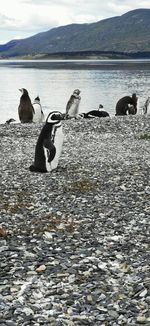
6 22
28 17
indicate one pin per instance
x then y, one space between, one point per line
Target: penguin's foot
33 168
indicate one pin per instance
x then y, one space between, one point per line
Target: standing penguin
146 107
38 113
49 144
72 108
25 109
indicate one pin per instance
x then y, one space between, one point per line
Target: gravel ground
74 242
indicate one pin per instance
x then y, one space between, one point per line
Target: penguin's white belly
38 116
48 165
73 111
58 143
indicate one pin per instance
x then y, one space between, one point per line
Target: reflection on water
101 81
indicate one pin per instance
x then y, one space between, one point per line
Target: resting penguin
49 144
25 109
9 121
38 113
72 107
122 106
95 113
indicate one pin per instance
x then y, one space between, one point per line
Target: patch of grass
19 200
145 136
84 186
51 223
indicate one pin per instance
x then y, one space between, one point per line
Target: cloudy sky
24 18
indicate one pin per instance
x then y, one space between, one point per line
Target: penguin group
50 140
127 105
29 112
72 108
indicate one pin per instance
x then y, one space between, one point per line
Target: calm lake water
100 82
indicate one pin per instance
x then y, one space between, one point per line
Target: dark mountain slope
127 33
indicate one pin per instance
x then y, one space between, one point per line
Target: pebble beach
74 243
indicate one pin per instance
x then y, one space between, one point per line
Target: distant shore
82 55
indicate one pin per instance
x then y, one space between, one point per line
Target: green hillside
128 33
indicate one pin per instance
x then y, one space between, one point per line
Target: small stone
41 269
122 187
113 313
102 265
141 319
89 298
48 235
143 293
13 289
28 311
124 267
3 232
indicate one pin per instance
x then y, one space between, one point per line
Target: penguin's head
100 106
76 92
54 117
134 97
37 99
9 121
23 91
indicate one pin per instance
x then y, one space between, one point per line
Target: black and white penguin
38 112
146 107
72 108
123 105
95 113
11 120
49 144
25 109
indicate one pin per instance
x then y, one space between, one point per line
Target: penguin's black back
25 109
44 140
122 104
96 113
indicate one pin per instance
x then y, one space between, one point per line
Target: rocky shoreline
74 242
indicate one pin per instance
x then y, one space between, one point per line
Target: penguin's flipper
68 107
69 103
51 150
33 111
89 115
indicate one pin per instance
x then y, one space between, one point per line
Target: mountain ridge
128 33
